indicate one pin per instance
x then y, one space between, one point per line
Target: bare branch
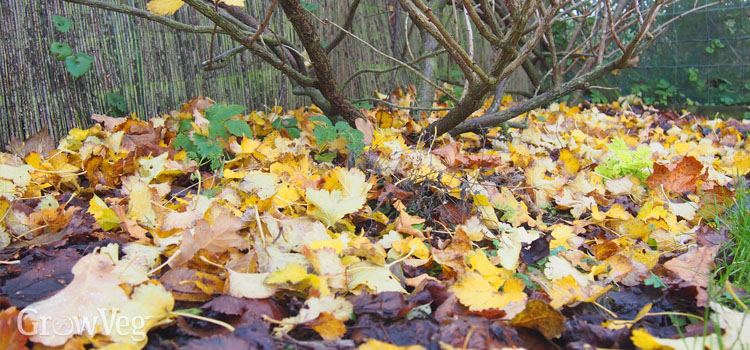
243 38
296 14
485 31
386 70
347 24
423 15
263 25
400 63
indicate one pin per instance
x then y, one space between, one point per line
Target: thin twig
410 68
264 24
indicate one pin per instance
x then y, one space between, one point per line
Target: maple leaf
262 184
375 279
478 294
330 207
679 178
149 302
325 315
511 242
14 179
93 289
216 237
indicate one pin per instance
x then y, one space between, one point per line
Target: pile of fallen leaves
589 226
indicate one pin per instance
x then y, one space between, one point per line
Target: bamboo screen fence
157 68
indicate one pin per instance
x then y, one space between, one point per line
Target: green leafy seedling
78 64
61 23
117 103
60 50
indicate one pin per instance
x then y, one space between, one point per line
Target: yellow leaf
406 245
542 317
291 273
376 279
240 3
475 292
149 302
105 216
139 207
330 207
372 344
560 234
94 289
164 7
479 263
264 185
511 242
336 244
570 163
645 341
328 327
337 308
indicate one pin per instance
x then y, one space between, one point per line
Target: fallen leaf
680 178
539 316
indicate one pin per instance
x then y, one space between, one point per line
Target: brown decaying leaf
694 267
539 316
181 282
213 238
453 157
40 142
678 178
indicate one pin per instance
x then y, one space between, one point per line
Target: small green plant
289 124
655 282
598 98
735 264
209 149
625 161
713 45
77 64
327 132
694 77
117 105
661 94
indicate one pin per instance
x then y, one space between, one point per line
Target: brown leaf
10 336
229 305
678 178
329 327
694 267
449 153
213 238
452 157
110 123
604 250
181 283
129 225
40 142
541 317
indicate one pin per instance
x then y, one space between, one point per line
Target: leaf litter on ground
589 226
